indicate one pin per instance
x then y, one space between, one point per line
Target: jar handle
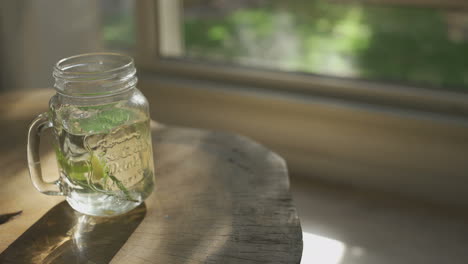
38 125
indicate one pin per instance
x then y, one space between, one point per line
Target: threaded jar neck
94 75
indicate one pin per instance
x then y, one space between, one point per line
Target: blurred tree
390 43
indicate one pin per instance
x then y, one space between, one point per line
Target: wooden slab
220 198
16 190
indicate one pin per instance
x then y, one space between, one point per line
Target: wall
409 153
37 33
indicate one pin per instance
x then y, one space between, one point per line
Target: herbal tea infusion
105 158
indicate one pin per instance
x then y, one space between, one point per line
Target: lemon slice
97 169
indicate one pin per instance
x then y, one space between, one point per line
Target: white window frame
395 116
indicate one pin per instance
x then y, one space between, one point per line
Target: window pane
401 41
117 24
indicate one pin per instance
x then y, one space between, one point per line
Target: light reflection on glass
84 225
323 250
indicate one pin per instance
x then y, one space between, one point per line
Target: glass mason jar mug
102 135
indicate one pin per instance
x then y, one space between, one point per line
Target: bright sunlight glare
323 250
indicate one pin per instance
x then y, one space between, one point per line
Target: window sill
401 150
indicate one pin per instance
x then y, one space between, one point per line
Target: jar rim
94 74
59 68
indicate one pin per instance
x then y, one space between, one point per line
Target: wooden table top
219 198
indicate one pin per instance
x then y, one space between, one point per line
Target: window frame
445 102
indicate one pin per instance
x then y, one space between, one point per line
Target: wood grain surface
219 197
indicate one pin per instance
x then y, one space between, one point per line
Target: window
408 42
117 20
356 119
